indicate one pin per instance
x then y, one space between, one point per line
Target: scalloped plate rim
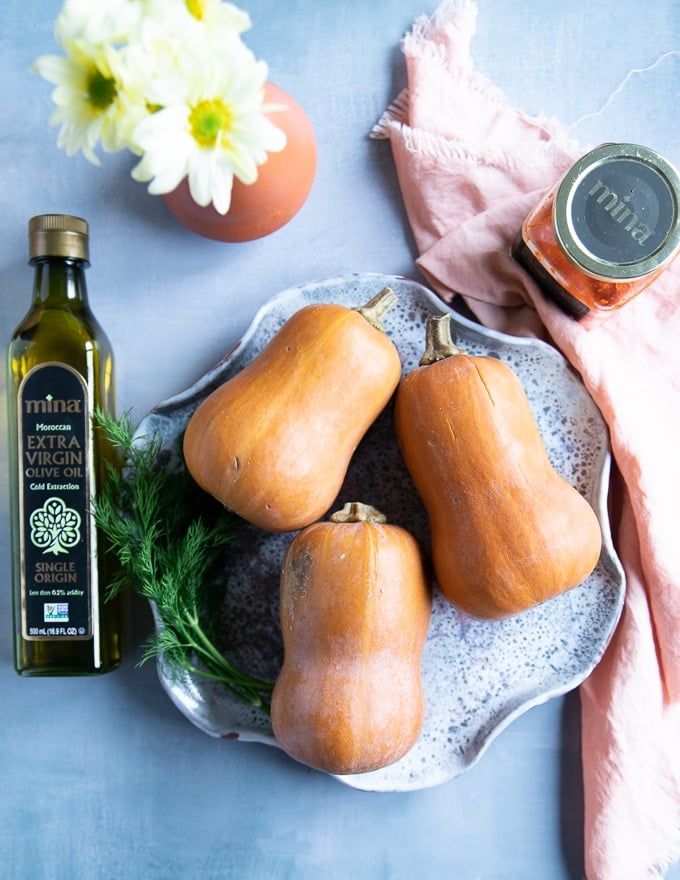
186 396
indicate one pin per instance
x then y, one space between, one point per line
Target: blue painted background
104 778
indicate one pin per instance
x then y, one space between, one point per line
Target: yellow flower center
196 8
208 120
101 90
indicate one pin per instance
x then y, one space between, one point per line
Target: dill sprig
165 553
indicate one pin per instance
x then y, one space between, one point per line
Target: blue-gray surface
104 778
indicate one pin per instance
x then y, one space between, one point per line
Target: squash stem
439 344
355 511
377 307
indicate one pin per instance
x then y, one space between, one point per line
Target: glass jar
604 232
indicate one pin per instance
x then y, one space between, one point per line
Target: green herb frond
165 554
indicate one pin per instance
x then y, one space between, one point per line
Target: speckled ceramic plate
478 676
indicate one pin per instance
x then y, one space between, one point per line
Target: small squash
507 531
355 606
274 442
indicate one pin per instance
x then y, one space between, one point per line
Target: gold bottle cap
58 235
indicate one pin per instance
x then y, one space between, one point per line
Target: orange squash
355 607
507 531
274 442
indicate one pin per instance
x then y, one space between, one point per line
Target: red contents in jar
539 236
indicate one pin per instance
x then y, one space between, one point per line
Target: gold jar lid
616 214
58 235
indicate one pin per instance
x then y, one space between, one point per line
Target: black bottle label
58 595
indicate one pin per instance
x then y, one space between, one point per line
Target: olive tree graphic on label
55 528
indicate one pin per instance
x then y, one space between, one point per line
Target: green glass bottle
60 367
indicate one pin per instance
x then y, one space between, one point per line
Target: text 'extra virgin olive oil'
60 369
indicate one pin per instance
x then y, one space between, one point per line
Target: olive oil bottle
60 368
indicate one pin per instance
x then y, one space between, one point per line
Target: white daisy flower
106 21
170 80
202 19
98 100
211 129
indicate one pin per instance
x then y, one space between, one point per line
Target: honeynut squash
507 531
355 605
274 442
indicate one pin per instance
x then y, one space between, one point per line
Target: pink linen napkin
470 168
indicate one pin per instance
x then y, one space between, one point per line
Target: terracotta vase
282 186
